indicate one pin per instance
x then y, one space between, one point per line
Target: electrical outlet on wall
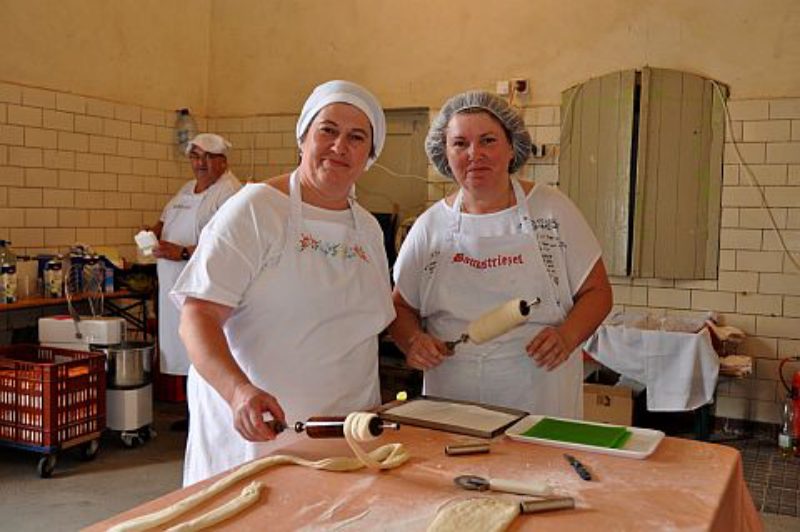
520 85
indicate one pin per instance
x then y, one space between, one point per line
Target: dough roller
496 322
333 427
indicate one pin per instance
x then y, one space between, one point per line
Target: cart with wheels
51 400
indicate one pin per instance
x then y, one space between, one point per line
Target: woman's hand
425 351
167 250
553 345
549 348
248 405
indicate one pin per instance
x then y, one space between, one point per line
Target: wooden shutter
679 177
595 160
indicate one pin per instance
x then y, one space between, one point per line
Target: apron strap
296 205
523 212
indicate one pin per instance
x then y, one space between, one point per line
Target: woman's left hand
549 348
167 250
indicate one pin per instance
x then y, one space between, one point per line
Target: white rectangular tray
640 445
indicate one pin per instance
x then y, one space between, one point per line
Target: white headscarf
338 91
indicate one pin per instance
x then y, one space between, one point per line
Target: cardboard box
608 404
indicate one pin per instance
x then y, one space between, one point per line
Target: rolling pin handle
452 345
525 306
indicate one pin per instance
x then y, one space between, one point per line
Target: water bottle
8 273
94 273
74 274
185 129
6 255
108 278
785 437
8 279
54 278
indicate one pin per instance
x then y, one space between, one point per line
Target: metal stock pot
128 364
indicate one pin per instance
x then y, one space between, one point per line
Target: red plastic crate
50 398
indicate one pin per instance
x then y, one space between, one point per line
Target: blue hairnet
338 91
509 118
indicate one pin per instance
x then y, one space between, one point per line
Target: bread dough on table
247 498
356 429
478 515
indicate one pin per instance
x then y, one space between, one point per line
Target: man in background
178 231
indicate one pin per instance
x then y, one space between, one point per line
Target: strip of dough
245 499
386 457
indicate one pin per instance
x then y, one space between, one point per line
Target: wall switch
503 88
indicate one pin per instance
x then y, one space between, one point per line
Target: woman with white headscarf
494 240
285 296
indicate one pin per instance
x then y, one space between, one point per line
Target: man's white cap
210 143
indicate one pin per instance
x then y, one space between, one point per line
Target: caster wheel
146 433
46 465
89 450
131 441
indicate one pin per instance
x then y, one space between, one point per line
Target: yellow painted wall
267 54
147 52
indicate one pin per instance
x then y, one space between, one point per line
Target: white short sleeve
417 255
580 247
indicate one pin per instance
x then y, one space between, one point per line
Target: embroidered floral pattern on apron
332 249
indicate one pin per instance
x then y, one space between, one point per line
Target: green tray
608 436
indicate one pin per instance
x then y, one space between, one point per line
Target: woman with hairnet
493 240
287 291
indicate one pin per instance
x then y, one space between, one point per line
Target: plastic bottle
785 437
94 273
6 255
54 278
185 129
108 279
8 273
73 276
8 279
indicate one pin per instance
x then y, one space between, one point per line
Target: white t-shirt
568 245
234 248
212 199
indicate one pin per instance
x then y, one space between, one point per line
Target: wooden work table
683 485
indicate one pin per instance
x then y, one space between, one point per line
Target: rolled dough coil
497 321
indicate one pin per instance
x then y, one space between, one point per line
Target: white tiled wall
263 146
76 169
82 169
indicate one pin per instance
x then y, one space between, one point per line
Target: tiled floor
774 481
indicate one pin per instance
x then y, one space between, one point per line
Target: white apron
180 227
323 301
499 372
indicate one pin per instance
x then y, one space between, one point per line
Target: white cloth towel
679 369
